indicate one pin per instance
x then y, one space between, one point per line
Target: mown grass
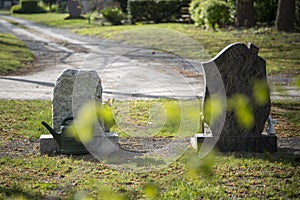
34 176
221 176
280 50
13 54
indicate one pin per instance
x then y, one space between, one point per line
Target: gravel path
126 72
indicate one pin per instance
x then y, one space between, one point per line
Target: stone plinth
48 145
102 143
262 143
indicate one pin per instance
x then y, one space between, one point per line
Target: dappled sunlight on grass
13 54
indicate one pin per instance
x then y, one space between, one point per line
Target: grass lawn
280 50
13 54
234 175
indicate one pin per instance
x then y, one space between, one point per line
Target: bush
265 11
113 15
153 10
210 13
27 7
195 11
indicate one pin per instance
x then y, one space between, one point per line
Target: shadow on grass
284 155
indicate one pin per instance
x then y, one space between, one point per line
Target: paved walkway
126 72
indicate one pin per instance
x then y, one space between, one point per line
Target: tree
286 15
244 13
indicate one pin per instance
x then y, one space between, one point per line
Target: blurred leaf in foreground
261 92
213 107
82 127
241 106
201 166
151 191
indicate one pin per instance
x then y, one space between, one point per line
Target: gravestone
72 89
239 68
74 10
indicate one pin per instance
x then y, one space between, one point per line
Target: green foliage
195 11
242 109
113 15
14 55
153 10
28 7
213 108
261 92
105 113
211 13
265 11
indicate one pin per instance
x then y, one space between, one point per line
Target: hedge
153 10
27 7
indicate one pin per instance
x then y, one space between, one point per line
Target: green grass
40 176
280 50
56 20
13 54
34 176
23 118
157 118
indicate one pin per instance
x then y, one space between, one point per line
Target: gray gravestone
240 67
74 9
72 89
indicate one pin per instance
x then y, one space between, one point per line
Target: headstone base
48 145
261 143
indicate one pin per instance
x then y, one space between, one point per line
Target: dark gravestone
74 9
240 68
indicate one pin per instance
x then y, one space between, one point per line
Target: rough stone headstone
72 90
240 68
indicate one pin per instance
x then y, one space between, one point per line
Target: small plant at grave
113 15
106 114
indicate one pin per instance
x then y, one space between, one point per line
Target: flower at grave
106 114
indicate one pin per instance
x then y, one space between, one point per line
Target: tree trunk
244 13
286 15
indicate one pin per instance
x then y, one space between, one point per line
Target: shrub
265 11
195 11
113 15
153 10
27 7
210 13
